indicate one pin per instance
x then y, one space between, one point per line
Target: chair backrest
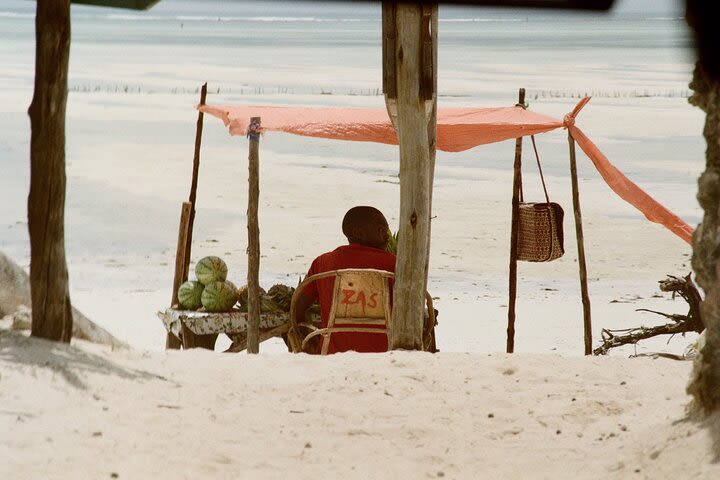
361 296
361 303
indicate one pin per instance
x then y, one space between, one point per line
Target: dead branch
692 322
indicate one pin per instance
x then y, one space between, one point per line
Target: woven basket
540 232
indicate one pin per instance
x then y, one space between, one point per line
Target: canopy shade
458 129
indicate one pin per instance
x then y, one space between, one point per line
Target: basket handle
542 178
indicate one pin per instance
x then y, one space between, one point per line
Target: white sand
84 412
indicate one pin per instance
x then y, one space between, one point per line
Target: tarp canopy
458 129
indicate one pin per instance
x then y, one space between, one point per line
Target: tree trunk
51 309
415 177
705 383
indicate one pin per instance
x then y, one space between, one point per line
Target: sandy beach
471 411
85 412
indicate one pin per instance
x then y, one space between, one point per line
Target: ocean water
330 54
134 79
483 53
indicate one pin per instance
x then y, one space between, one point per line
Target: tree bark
253 226
415 170
51 308
705 382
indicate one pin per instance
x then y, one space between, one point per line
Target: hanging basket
540 232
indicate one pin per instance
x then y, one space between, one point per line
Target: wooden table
201 329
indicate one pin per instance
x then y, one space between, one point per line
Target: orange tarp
458 129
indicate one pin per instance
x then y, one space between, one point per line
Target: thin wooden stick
253 275
517 180
193 185
587 322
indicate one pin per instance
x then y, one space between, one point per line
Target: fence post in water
253 275
517 181
587 322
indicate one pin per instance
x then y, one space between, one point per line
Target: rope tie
254 130
569 119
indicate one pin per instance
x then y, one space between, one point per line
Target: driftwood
692 322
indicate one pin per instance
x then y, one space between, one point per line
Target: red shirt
347 256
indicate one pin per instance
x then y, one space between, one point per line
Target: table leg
192 340
172 342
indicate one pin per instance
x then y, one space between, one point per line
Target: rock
22 318
15 298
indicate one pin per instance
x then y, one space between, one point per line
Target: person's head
366 226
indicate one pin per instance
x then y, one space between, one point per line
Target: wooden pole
517 180
49 290
587 322
412 131
253 274
193 184
180 252
171 341
429 62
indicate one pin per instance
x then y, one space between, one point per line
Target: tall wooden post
587 322
408 82
50 297
253 274
185 231
517 181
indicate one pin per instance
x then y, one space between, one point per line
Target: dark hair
361 216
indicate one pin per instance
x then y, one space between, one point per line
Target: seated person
367 232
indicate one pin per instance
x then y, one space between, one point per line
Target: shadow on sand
69 361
